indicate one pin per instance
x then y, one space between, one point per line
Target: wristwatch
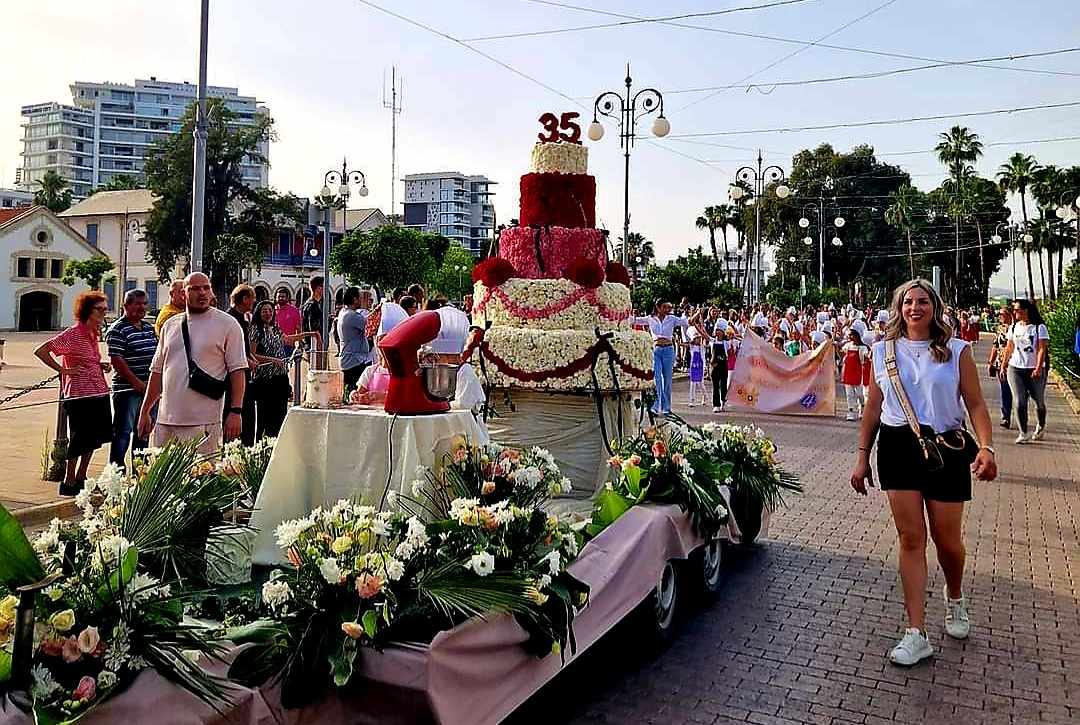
238 411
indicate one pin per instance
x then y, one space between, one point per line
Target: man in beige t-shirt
219 348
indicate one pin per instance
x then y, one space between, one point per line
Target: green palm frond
453 589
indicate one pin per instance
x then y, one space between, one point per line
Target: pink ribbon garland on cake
537 313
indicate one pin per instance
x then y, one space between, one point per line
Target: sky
321 67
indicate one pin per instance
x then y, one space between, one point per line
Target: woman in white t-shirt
938 374
1026 351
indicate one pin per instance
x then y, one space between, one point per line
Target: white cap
868 339
791 310
721 325
859 326
827 327
818 337
453 330
883 316
392 314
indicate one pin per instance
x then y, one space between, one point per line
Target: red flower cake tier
556 199
547 252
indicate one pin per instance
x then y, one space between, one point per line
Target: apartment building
452 204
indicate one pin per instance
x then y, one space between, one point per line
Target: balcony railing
292 260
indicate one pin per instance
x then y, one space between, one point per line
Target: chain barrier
19 393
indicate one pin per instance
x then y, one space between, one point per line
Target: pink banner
768 381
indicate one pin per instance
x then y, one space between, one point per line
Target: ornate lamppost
997 239
804 223
624 109
757 178
335 193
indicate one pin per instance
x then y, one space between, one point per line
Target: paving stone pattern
801 630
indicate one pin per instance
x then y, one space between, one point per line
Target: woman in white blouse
662 326
938 374
1026 354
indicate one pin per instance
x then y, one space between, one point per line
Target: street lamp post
1069 211
132 228
996 239
198 192
335 193
624 110
838 223
757 178
460 268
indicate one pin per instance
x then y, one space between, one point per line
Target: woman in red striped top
82 381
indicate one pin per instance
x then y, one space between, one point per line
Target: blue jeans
126 406
1006 400
663 365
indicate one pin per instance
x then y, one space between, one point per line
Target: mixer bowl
440 380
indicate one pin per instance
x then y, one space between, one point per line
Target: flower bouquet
672 464
110 602
247 464
366 578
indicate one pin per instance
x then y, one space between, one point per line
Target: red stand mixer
419 385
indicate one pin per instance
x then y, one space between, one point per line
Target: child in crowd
851 373
696 339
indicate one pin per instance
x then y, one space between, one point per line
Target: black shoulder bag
199 380
937 448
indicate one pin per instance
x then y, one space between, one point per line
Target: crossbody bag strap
898 387
187 342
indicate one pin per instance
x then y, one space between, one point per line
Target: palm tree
713 219
1072 183
1017 175
901 214
1050 185
956 148
53 192
638 248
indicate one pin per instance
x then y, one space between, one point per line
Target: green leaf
610 506
342 664
369 620
633 480
19 564
119 577
5 665
261 631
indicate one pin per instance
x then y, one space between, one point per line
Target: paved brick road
800 633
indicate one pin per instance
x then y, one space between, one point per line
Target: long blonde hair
940 333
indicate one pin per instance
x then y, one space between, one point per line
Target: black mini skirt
901 468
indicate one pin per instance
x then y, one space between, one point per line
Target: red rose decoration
585 272
493 271
618 274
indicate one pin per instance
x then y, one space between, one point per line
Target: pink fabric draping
766 380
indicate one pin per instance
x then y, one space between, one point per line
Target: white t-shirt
932 387
1025 338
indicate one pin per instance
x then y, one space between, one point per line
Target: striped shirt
78 346
136 345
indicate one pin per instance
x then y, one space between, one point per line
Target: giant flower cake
552 318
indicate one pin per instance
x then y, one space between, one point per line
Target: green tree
956 149
453 277
1051 184
120 182
695 275
714 217
53 192
905 204
232 207
90 270
639 246
1016 176
386 257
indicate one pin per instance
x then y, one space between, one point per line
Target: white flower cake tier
564 360
552 304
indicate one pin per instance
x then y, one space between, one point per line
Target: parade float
558 356
399 566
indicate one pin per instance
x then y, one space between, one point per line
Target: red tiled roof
7 215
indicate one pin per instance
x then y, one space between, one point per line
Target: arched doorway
262 292
37 311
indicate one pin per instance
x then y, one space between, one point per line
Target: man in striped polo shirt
132 343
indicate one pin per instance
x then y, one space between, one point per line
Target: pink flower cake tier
555 311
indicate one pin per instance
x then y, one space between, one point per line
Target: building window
91 234
164 111
151 293
56 268
39 268
130 285
23 267
109 288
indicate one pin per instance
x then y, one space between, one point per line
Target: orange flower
368 585
659 449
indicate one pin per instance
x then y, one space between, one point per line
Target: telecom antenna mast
397 96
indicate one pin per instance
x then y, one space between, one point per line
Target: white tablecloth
326 455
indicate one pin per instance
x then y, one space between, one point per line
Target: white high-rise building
454 205
108 128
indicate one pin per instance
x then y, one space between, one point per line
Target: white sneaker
957 623
850 416
716 409
912 649
1038 434
1022 439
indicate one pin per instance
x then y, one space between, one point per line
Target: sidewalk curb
44 513
1066 390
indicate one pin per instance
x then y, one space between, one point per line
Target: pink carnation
70 650
368 585
86 690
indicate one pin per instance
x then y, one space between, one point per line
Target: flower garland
538 313
564 371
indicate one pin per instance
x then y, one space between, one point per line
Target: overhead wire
634 21
795 41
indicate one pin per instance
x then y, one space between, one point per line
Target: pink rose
86 690
352 629
89 640
659 450
615 462
635 460
53 647
70 650
368 585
